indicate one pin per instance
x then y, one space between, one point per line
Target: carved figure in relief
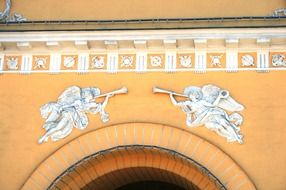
156 61
97 62
279 12
247 60
216 60
12 63
16 17
40 62
278 60
127 61
69 61
206 106
70 110
186 61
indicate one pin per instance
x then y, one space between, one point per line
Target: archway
114 156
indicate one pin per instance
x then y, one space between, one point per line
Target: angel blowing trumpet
70 111
206 106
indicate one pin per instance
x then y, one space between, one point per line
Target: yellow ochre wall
132 9
262 156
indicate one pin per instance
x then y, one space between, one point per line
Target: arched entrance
115 156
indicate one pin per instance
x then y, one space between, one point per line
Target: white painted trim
112 62
141 62
55 63
200 61
232 61
200 41
263 40
231 41
83 63
80 42
52 43
170 61
140 41
26 66
143 35
263 60
1 63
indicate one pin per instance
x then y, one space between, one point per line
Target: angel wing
70 95
211 93
230 104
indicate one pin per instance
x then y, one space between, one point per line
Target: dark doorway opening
150 185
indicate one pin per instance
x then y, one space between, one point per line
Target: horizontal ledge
186 34
144 24
155 20
146 71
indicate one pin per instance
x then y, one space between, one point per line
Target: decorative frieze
216 60
198 61
185 61
69 61
98 61
247 60
278 59
40 62
12 63
127 61
156 61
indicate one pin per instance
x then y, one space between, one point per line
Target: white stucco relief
212 107
70 111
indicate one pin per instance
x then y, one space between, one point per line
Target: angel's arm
104 103
174 101
215 103
177 103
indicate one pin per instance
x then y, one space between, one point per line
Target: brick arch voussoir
180 141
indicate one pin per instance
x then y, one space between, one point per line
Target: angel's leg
62 133
104 116
236 119
232 130
189 120
218 129
57 127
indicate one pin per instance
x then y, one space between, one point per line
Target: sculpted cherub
206 106
70 111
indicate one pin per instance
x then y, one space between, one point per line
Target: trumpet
122 90
164 91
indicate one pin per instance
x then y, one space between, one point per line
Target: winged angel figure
206 106
70 111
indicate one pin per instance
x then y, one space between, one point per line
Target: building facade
101 95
